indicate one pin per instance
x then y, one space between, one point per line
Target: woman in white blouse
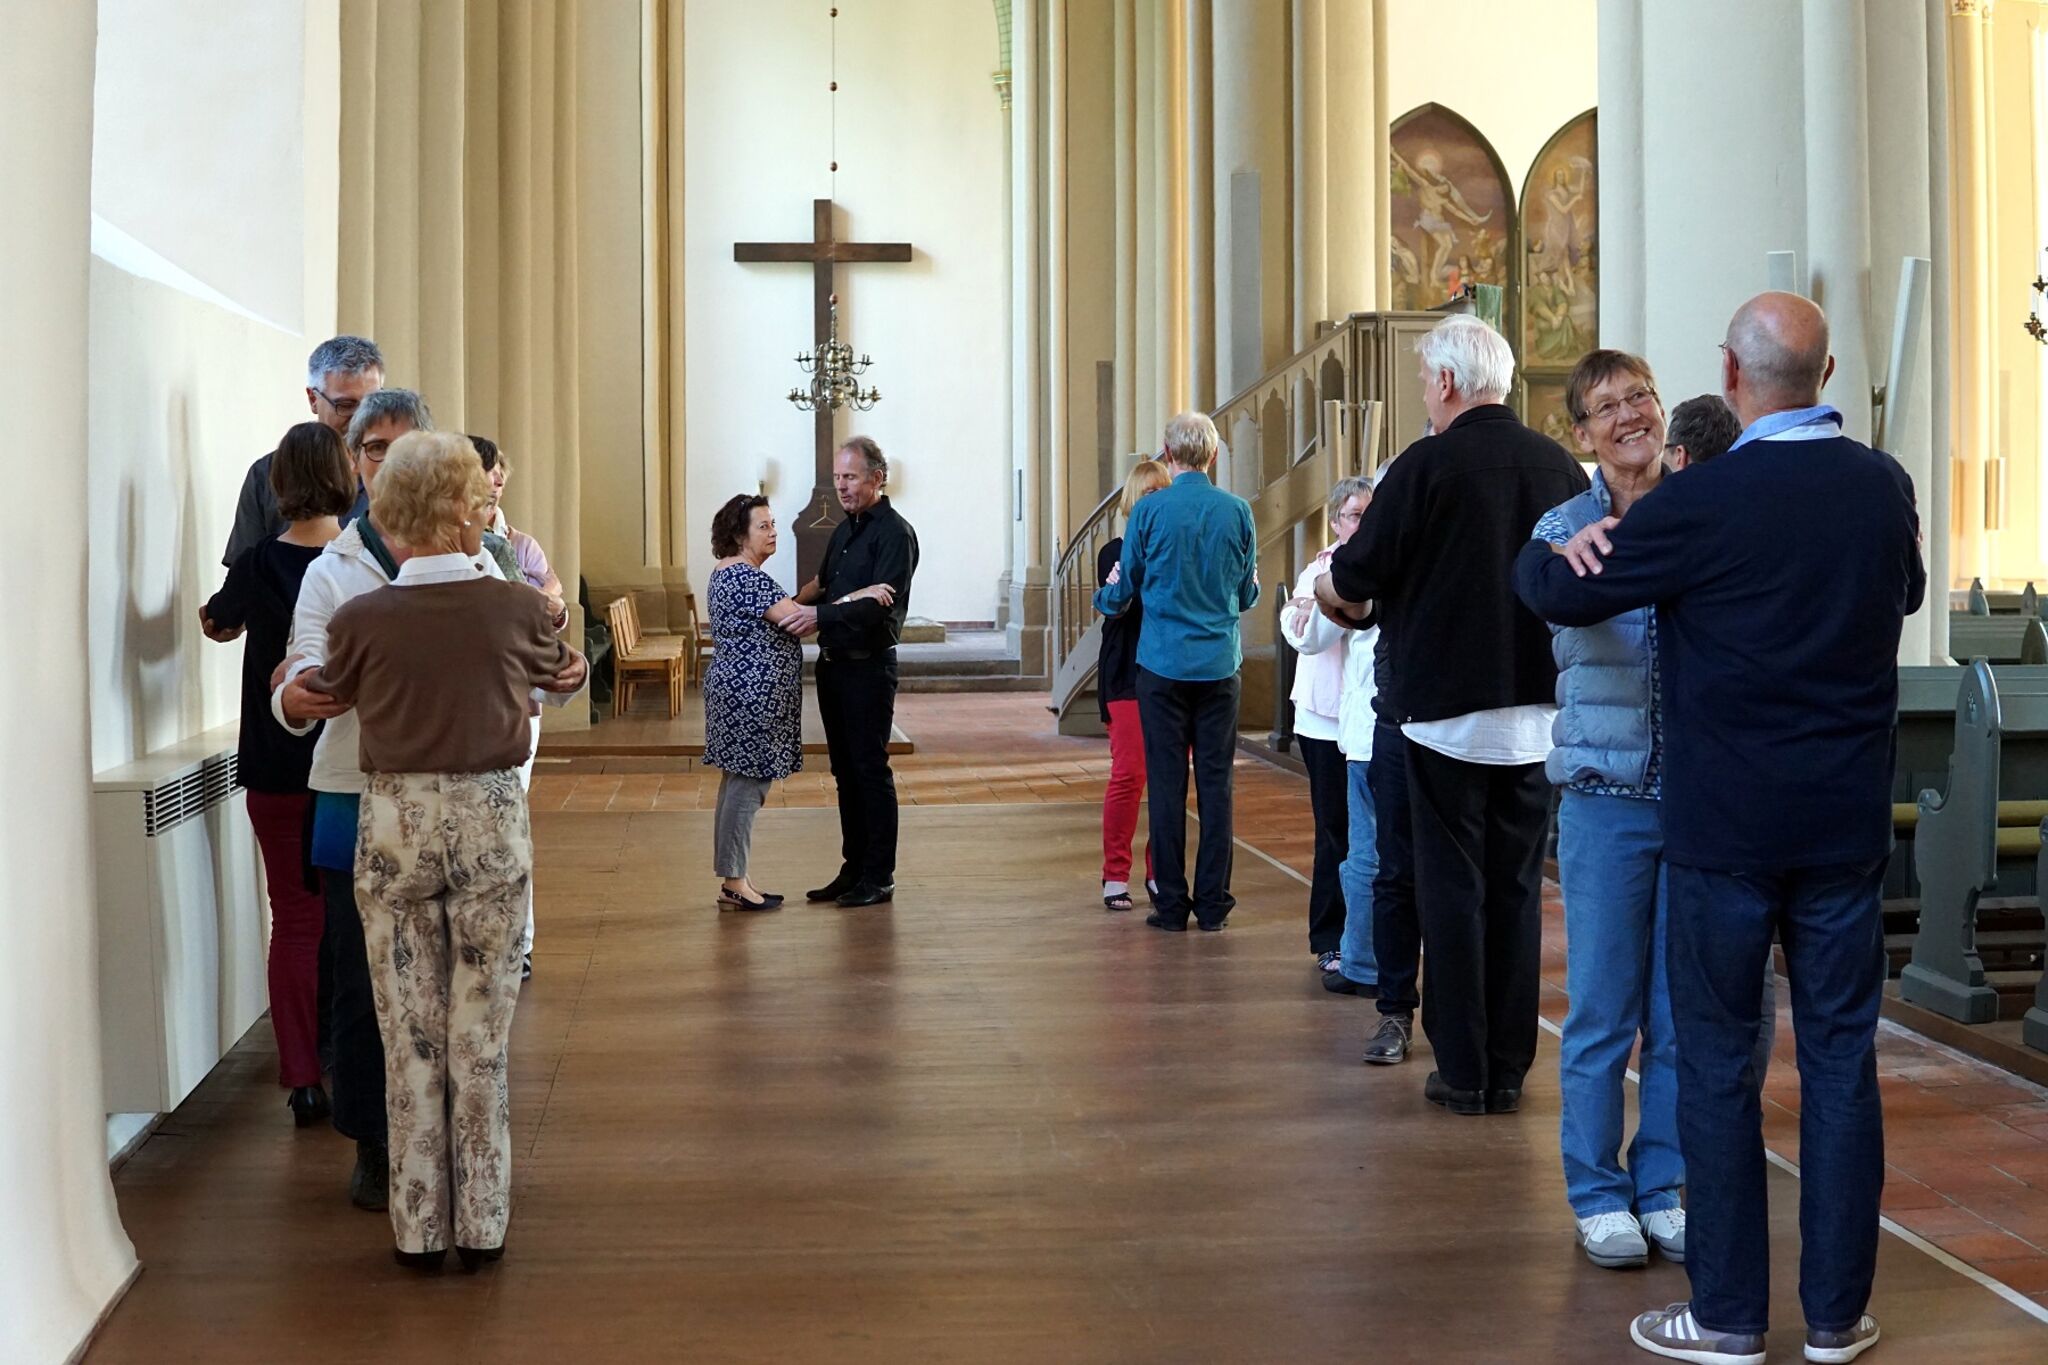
1318 700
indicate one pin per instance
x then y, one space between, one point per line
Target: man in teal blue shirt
1191 559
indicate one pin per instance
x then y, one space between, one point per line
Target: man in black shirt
873 546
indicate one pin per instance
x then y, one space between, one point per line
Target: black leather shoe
476 1258
426 1262
369 1188
834 889
309 1106
1390 1044
869 893
1210 926
1340 984
1438 1091
1159 919
1503 1101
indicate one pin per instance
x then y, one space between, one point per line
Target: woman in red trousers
315 486
1116 688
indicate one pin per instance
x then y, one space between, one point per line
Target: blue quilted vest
1602 730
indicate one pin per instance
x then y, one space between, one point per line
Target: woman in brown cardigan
440 666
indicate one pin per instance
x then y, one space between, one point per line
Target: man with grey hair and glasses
1473 686
1190 560
341 372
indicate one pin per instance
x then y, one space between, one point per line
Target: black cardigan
1436 550
1116 676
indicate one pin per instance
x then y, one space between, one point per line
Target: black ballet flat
733 900
476 1258
309 1106
426 1262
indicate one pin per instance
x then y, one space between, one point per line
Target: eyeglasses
1642 399
375 451
343 407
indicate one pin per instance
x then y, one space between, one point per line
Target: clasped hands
803 622
1348 614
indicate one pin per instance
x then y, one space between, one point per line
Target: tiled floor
1966 1143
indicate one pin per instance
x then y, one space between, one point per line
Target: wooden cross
823 252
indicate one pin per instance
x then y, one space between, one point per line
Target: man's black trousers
857 701
1179 717
1479 832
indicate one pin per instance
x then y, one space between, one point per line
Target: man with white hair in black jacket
1473 686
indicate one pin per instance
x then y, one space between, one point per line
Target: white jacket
1361 686
1319 676
345 569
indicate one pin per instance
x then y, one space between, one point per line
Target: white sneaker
1835 1348
1666 1227
1613 1240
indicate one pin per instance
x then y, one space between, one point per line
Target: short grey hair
342 355
1481 365
1191 440
870 452
1356 486
385 405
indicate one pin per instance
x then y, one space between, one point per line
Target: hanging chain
834 101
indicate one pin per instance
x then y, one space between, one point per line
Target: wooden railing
1299 427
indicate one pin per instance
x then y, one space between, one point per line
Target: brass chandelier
835 375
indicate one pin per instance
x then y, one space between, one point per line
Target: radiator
182 921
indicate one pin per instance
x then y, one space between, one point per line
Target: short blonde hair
432 483
1191 441
1147 476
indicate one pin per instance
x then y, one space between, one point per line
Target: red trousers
1126 790
297 915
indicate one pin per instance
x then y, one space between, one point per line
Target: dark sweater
877 546
1435 551
1116 674
261 589
1781 573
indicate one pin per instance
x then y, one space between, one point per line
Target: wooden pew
2000 747
2009 639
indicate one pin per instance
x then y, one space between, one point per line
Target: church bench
2015 638
1959 849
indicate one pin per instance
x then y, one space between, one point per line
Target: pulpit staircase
1316 417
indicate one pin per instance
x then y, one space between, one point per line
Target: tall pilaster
1838 196
1970 243
63 1256
1623 302
1198 195
1311 172
1354 204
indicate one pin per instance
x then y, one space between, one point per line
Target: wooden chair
636 661
697 639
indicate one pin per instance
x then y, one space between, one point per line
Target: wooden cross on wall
823 252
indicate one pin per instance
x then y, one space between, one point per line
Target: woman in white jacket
1319 696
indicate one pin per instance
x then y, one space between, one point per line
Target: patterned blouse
753 690
1552 528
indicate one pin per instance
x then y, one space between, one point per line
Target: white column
1351 239
63 1256
1621 228
1838 197
1201 215
1969 179
1311 173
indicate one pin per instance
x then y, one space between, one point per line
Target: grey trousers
739 801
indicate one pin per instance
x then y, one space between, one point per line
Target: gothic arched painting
1561 272
1453 220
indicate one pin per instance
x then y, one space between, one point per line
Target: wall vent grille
172 803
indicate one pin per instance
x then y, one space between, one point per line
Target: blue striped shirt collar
1773 425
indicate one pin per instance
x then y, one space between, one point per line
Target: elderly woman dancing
440 666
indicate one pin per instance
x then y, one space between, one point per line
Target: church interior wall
198 337
2017 552
921 138
1517 72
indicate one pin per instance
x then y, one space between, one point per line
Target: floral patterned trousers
443 862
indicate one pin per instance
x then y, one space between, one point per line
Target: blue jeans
1610 859
1361 864
1829 921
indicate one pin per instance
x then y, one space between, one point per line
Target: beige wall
1517 71
921 142
2019 552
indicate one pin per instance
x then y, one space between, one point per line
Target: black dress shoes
369 1187
868 893
1158 919
426 1262
1437 1090
476 1258
834 889
1503 1101
309 1106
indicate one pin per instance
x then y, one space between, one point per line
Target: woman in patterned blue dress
753 690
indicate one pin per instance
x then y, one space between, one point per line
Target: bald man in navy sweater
1782 574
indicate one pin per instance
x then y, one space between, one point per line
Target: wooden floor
647 731
991 1124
